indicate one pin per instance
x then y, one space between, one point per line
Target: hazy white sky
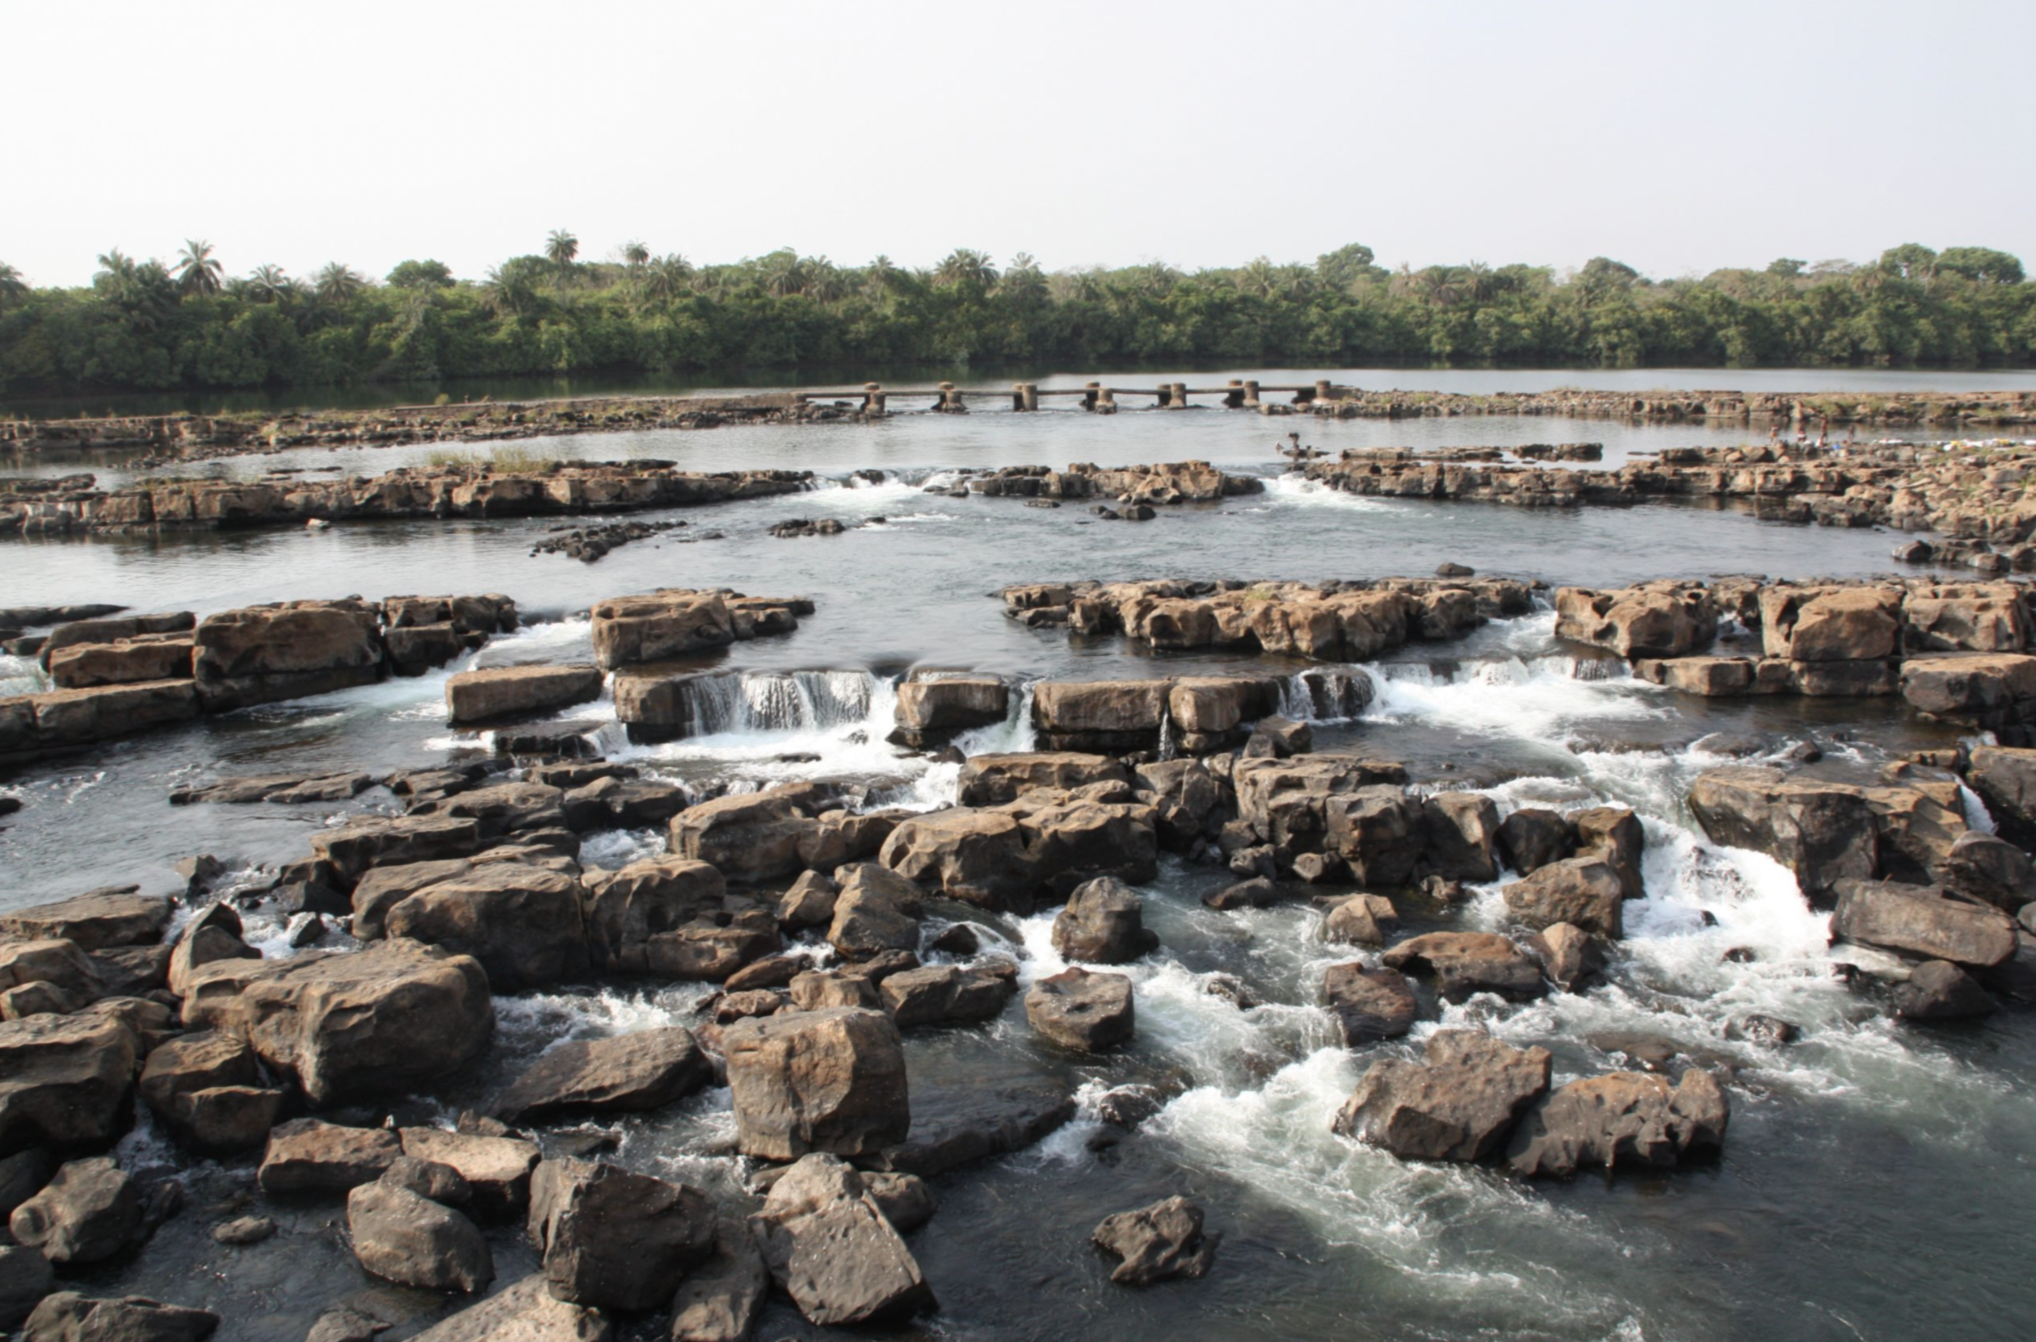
1676 137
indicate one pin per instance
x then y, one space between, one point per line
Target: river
1873 1179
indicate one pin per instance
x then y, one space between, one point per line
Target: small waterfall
1169 743
1326 694
721 703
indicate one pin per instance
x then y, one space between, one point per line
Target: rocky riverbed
998 951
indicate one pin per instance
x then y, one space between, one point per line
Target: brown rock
630 1073
1459 1105
830 1080
497 693
1626 1118
1162 1242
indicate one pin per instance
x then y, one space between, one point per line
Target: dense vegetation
147 325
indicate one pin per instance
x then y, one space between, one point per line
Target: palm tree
198 272
783 272
880 277
270 285
635 254
12 286
561 247
336 283
142 291
964 265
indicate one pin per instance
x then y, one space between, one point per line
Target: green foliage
138 327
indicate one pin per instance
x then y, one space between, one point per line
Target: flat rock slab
96 920
956 1122
524 1312
631 1073
499 692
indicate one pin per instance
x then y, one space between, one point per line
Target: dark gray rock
1939 990
1158 1243
829 1247
616 1240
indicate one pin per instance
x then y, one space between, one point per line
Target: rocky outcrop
1083 1011
1369 1004
1826 832
612 1239
934 710
632 630
831 1081
1919 920
1650 620
498 693
1457 1105
1621 1120
1004 857
1158 1243
996 779
829 1247
65 1081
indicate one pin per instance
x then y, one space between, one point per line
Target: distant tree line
150 326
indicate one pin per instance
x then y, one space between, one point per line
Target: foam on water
1298 491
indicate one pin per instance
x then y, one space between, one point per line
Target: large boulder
2004 777
1369 1004
749 837
414 1241
1919 920
1458 1105
1626 1118
612 1239
1583 891
1079 838
65 1080
205 1087
1103 924
948 994
992 780
524 1312
1360 920
499 693
285 651
633 629
1463 836
1380 831
1938 991
721 1300
1989 870
68 1316
89 1212
830 1080
831 1249
96 921
1838 624
496 1170
1082 1011
1466 963
630 1073
1106 716
308 1155
627 912
521 922
395 1016
1158 1243
1823 832
930 711
875 910
978 856
1656 620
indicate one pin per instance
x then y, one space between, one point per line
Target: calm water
1873 1178
1471 380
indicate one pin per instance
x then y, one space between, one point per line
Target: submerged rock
1158 1243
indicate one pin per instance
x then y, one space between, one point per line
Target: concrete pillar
1025 396
1106 400
950 400
1177 395
1251 393
1233 399
1090 392
873 398
1322 391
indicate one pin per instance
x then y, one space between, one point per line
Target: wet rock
1585 892
243 1231
65 1080
308 1155
524 1312
495 1167
70 1317
1938 990
809 903
1920 921
1989 870
1458 1105
1380 831
1613 835
1256 893
963 1119
831 1081
1081 1010
1361 920
89 1212
948 994
388 841
616 1240
1823 832
623 803
875 910
1465 963
497 693
1162 1242
414 1241
1569 955
94 921
721 1300
751 837
279 788
906 1200
930 711
206 1089
2004 777
993 780
1369 1004
1767 1031
828 1246
1627 1118
521 923
25 1278
395 1016
630 1073
1463 836
1103 923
